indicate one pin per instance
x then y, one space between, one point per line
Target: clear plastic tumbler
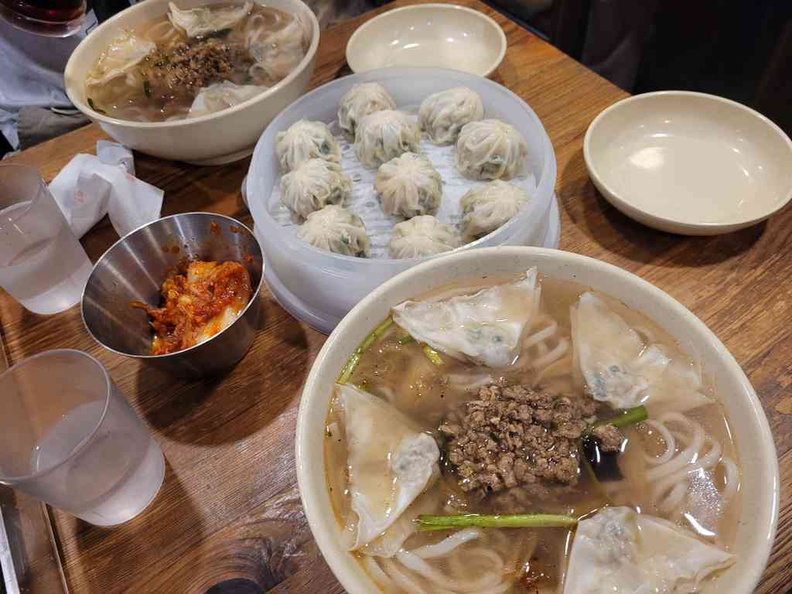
70 438
42 264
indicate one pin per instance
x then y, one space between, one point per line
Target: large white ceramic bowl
689 163
756 450
212 139
436 35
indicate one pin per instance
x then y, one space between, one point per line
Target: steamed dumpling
391 462
197 22
124 53
619 550
615 365
443 114
487 207
409 186
485 327
335 229
313 185
305 140
222 95
490 149
384 135
421 236
360 101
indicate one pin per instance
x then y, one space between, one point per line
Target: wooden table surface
229 507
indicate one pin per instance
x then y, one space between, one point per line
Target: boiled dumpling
615 365
197 22
443 114
390 461
485 327
360 101
390 542
619 550
335 229
489 206
384 135
278 53
313 185
421 236
124 53
305 140
409 186
490 149
222 95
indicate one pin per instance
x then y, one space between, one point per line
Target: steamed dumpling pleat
358 102
385 135
443 114
305 140
409 186
197 22
619 550
220 96
421 236
124 53
618 367
335 229
391 462
485 327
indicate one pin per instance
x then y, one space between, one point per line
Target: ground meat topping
609 438
187 67
515 437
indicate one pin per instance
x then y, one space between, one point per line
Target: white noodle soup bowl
212 139
755 448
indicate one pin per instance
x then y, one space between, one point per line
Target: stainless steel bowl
134 268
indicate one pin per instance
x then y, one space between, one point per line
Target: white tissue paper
90 187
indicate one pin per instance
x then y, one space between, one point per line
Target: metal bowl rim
253 298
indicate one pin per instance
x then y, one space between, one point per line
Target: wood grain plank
229 507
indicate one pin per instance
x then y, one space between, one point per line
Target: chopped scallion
373 337
432 355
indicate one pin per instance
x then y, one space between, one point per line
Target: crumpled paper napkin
92 186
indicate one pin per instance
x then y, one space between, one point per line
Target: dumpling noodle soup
530 435
196 61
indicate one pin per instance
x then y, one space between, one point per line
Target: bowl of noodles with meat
518 419
194 80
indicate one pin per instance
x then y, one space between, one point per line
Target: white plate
689 163
435 35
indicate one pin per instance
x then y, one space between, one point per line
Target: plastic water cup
42 264
70 438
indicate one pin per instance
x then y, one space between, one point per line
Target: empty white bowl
689 163
435 35
212 139
755 447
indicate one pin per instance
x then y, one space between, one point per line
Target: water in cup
113 481
42 264
48 276
70 438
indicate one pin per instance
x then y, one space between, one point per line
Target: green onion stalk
430 523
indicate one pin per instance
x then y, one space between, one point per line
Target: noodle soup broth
677 464
196 61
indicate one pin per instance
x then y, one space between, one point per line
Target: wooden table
229 506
